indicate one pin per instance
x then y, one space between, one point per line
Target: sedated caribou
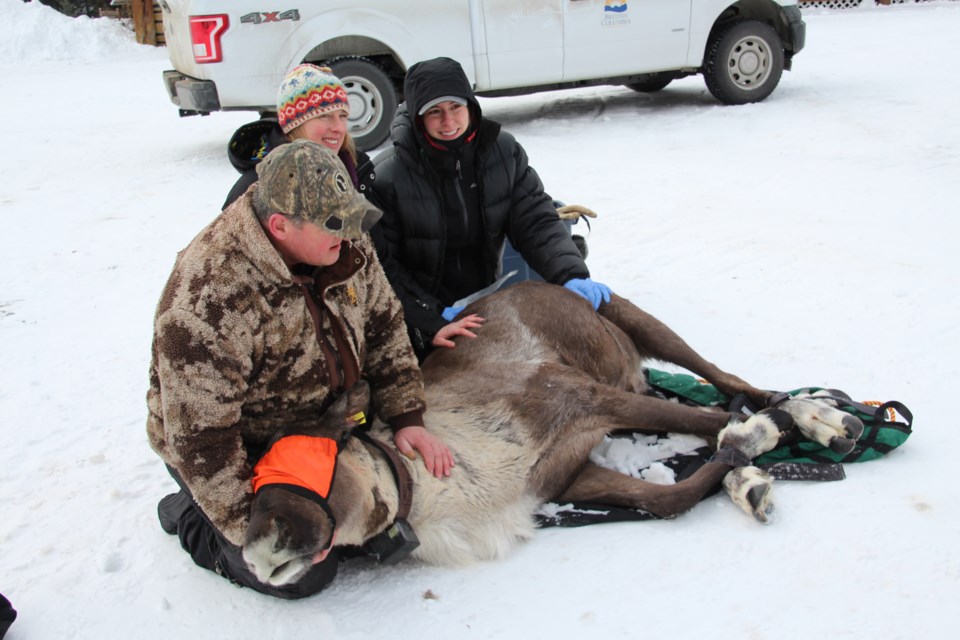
521 407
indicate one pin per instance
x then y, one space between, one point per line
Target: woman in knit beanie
312 104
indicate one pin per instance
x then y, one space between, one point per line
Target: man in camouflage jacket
271 312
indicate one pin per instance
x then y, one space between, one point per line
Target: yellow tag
352 294
359 417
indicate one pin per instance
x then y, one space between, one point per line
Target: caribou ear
350 410
358 402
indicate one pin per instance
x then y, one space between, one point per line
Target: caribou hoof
751 489
758 434
853 426
819 420
843 446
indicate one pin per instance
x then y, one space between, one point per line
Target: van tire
744 62
373 99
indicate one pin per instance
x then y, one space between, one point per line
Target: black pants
211 550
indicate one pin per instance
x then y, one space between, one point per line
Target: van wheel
744 62
373 100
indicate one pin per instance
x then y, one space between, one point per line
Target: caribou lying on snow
521 407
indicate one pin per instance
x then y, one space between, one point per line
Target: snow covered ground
806 240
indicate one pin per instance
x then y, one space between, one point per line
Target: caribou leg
819 420
739 442
575 412
572 393
654 339
751 489
605 486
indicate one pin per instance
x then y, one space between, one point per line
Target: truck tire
651 82
373 100
744 62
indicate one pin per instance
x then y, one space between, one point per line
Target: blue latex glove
449 313
594 292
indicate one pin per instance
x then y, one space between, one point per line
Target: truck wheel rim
365 105
749 62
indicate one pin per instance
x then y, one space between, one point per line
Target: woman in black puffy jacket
452 188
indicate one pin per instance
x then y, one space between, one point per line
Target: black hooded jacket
447 213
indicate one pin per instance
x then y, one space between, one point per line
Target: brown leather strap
331 357
400 474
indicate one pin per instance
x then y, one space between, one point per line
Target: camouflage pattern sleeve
203 375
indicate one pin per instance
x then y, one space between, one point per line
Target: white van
233 55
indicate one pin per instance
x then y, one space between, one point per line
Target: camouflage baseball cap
306 179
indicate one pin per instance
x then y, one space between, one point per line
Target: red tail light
205 33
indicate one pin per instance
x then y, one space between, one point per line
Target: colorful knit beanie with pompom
308 91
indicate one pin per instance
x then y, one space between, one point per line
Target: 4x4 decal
259 17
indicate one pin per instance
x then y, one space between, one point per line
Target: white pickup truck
233 55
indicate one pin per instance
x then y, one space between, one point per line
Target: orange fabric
305 461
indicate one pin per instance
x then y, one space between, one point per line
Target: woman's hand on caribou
594 292
436 455
461 327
